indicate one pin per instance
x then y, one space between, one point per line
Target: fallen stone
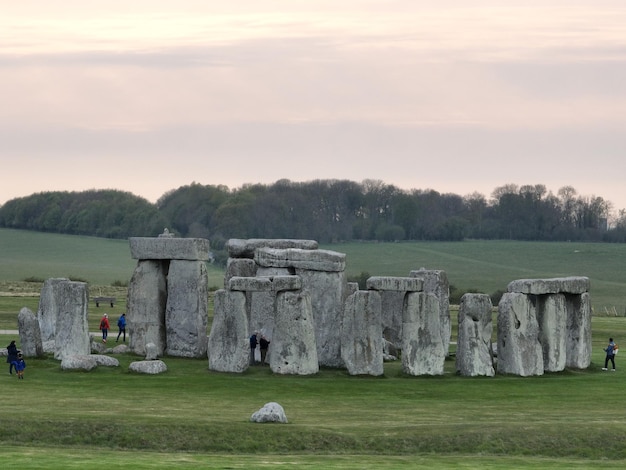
270 413
148 367
84 362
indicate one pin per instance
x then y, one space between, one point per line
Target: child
19 365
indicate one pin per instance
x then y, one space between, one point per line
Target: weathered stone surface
270 413
239 267
436 282
84 362
552 318
566 285
72 329
229 348
238 248
120 349
148 367
578 341
265 283
49 346
328 293
48 307
293 346
361 336
96 345
262 305
473 353
187 309
313 260
106 361
30 335
422 348
392 305
147 300
152 352
169 248
519 349
398 284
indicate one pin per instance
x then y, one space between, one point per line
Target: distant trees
323 210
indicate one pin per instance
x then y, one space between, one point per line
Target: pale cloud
449 94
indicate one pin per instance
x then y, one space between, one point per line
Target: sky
458 96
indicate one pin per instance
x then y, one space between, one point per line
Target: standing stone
552 319
229 348
293 348
72 328
262 305
187 309
30 335
519 349
578 342
436 282
392 304
361 345
474 356
422 347
147 299
48 307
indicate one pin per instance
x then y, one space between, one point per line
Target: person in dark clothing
11 356
253 343
610 355
264 345
121 324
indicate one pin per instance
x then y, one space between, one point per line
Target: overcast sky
452 95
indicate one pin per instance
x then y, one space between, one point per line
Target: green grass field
190 417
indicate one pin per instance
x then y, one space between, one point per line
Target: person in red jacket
104 327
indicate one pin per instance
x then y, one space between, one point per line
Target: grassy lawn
191 417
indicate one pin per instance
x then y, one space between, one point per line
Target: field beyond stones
190 417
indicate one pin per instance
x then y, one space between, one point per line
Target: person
20 365
11 356
253 343
610 355
264 344
104 326
121 324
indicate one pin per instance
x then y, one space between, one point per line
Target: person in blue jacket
610 355
121 324
20 365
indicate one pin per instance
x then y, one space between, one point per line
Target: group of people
105 326
15 360
263 343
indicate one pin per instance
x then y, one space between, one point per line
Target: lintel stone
191 249
238 248
558 285
265 283
313 260
398 284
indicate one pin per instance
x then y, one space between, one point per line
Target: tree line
324 210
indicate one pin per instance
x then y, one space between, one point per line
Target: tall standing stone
422 347
436 282
578 342
228 346
474 355
30 334
293 347
552 319
519 349
361 335
72 328
146 304
187 307
48 307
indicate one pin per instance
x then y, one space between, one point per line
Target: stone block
398 284
565 285
312 260
241 248
229 346
362 334
165 248
474 355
